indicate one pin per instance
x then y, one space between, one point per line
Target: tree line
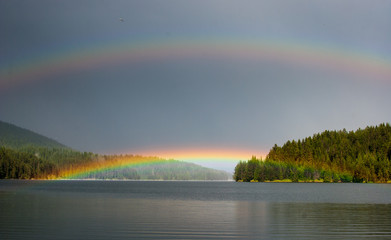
49 163
39 162
356 156
269 170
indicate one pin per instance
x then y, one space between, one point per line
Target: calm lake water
193 210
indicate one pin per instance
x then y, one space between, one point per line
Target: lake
193 210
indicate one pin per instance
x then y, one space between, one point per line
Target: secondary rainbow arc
289 52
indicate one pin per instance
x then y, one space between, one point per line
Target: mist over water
192 210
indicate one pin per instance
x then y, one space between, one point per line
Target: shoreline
311 181
162 180
118 180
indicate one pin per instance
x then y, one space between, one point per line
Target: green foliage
270 170
22 165
48 163
240 171
26 155
360 156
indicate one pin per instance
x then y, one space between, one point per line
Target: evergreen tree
360 156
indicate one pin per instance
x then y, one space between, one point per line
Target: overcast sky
191 102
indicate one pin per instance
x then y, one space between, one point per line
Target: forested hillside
39 162
179 170
27 155
149 168
360 156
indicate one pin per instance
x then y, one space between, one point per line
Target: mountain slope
161 170
179 170
25 155
15 137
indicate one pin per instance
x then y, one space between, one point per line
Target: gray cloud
192 102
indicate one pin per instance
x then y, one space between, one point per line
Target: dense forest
331 156
27 155
39 162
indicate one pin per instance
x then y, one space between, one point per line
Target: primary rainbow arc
216 155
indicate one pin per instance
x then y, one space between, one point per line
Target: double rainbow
47 67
